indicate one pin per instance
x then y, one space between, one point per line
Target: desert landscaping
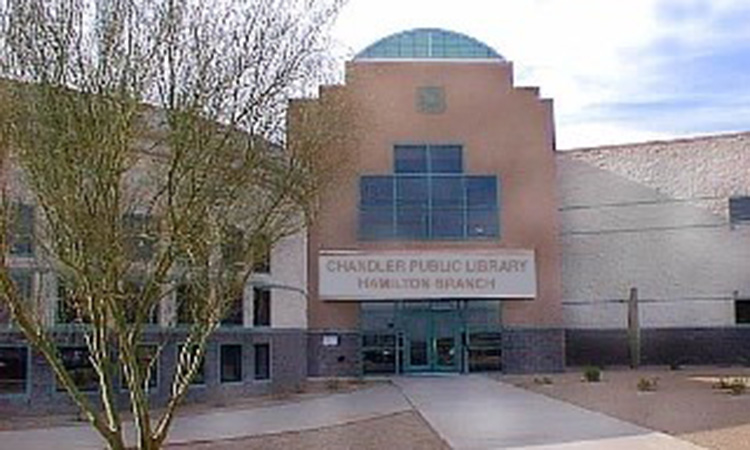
709 406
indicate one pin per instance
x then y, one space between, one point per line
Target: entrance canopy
388 275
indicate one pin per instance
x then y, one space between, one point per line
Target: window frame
746 304
28 371
58 387
259 292
139 237
18 229
6 316
155 373
233 316
193 384
220 360
409 219
135 286
735 207
269 369
263 265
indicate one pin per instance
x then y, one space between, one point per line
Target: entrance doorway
451 335
432 340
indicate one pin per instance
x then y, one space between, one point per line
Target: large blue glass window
481 206
445 159
428 197
428 159
376 207
428 43
411 159
448 207
412 207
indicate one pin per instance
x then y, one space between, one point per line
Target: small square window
742 311
78 365
261 307
234 314
200 375
185 304
24 281
232 246
22 233
13 370
132 295
145 354
262 263
231 363
262 361
67 312
139 236
739 210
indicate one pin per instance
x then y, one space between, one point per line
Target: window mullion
464 208
394 214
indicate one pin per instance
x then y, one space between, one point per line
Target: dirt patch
405 430
684 403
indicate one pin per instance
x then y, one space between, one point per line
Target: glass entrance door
445 341
431 340
418 343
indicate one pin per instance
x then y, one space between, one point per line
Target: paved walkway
309 414
474 412
469 412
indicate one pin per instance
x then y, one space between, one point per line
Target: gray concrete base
288 370
342 360
533 350
660 346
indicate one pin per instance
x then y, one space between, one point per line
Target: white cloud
581 53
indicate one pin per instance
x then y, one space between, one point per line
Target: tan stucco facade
504 131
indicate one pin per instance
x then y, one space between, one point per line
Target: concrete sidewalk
469 412
226 424
475 412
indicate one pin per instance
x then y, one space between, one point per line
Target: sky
619 71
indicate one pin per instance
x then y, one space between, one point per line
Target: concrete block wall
288 370
287 337
654 216
660 346
533 350
343 360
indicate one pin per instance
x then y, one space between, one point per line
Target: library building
440 252
457 240
464 241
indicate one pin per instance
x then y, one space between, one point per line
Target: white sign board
381 275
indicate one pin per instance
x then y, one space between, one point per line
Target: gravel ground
402 431
684 404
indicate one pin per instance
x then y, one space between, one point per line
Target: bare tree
150 136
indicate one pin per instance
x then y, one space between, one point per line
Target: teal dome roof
428 43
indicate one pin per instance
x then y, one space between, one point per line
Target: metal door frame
430 315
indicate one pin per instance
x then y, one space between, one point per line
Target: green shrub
737 387
723 383
592 374
333 384
648 384
545 381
